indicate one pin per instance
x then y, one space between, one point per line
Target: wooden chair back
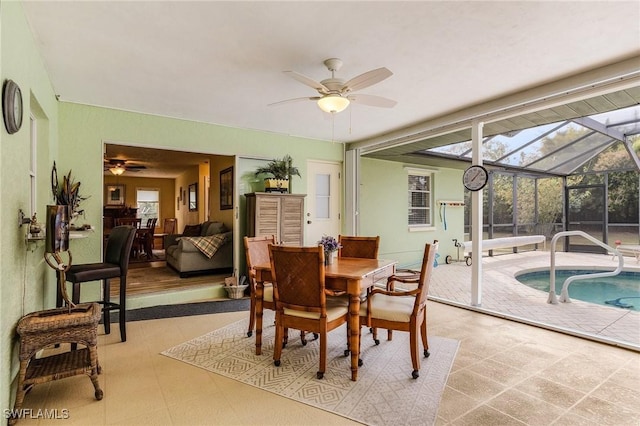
170 225
298 278
257 250
151 223
360 247
426 271
129 221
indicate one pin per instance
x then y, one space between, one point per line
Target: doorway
172 174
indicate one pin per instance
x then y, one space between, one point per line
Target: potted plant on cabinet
281 170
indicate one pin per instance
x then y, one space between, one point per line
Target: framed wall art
226 189
114 195
193 197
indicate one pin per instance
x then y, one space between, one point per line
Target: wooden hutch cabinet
282 215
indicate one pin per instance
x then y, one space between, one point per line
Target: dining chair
301 299
360 247
169 226
404 310
130 221
115 265
145 237
363 248
257 252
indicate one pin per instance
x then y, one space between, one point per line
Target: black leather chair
116 264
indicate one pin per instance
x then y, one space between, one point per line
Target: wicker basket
235 291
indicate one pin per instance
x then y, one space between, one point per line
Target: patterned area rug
384 394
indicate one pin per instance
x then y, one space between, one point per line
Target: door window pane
323 193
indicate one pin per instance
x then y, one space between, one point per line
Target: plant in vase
67 193
330 246
282 169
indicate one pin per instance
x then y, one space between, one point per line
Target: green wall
23 274
383 211
84 129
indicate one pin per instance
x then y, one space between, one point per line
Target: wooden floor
154 277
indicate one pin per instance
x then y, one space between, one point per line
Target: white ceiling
222 62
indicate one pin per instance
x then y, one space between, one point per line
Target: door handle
308 222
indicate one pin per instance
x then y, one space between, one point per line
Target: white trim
412 170
426 173
421 228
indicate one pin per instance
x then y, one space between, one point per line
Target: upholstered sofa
200 249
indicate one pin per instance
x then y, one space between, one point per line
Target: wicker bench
41 329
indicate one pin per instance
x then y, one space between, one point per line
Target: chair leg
123 308
277 344
252 314
75 293
415 358
106 298
323 355
423 332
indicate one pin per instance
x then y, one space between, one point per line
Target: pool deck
504 296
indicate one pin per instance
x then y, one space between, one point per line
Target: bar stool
116 264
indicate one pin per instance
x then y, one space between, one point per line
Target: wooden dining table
352 275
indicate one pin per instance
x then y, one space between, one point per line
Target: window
420 211
148 204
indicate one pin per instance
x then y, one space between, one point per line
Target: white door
323 200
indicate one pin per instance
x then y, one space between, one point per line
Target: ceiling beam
592 124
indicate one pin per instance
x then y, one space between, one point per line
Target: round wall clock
475 178
12 106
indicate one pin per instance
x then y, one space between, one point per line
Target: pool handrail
564 295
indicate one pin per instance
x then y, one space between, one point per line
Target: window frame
429 224
139 213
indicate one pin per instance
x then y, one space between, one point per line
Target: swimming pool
622 291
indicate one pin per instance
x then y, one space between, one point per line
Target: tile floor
505 373
503 295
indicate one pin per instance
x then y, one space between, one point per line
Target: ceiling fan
336 94
118 166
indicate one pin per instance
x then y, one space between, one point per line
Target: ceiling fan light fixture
117 170
333 103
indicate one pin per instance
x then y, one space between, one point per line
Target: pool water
622 291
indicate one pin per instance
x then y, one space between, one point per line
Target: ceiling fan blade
367 79
321 88
312 98
372 100
134 167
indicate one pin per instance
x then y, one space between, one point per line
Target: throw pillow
215 228
191 231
